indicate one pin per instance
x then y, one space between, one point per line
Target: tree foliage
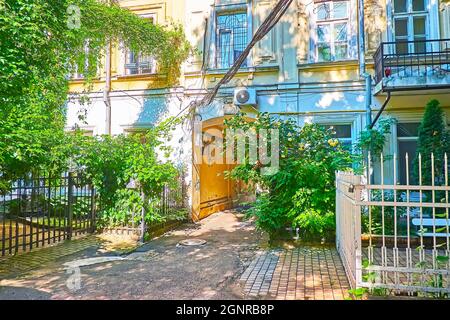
41 42
433 139
302 193
125 167
373 139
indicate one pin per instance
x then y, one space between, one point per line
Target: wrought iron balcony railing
412 65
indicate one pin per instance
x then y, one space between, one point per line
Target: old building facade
306 68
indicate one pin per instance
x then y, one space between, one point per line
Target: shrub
302 192
433 138
375 226
314 223
113 164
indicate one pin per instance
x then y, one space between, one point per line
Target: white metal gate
395 236
348 224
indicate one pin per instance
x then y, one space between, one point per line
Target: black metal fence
41 210
412 58
173 199
168 207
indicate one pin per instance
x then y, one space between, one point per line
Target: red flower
387 72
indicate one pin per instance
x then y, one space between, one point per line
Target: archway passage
212 191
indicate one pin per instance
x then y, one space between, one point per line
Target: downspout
381 110
362 62
368 78
107 89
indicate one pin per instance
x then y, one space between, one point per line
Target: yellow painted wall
216 193
165 12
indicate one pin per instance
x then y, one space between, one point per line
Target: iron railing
39 210
168 206
395 236
428 60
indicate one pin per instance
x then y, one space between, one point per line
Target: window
332 19
231 38
407 135
410 24
80 69
342 132
137 63
138 132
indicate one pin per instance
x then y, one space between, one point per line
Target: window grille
231 35
137 63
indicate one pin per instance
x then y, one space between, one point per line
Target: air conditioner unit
244 97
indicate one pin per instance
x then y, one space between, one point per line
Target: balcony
412 65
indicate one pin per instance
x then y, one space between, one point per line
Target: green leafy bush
373 140
433 139
112 163
126 210
379 214
314 223
59 204
302 193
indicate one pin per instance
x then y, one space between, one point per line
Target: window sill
337 65
144 76
82 80
136 127
246 70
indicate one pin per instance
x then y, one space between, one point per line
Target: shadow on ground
20 293
160 269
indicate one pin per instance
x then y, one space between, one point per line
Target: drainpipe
381 110
107 90
366 76
362 62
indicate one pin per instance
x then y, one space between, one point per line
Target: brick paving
258 276
12 266
305 273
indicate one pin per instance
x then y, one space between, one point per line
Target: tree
433 139
41 42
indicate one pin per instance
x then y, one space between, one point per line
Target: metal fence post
143 216
70 203
338 212
357 230
93 207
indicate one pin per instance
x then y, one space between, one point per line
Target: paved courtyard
235 263
306 273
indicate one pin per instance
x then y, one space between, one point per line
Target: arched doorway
212 191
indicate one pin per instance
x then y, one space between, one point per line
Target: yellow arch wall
211 191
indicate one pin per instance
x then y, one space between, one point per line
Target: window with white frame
137 63
231 38
407 136
333 29
410 24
